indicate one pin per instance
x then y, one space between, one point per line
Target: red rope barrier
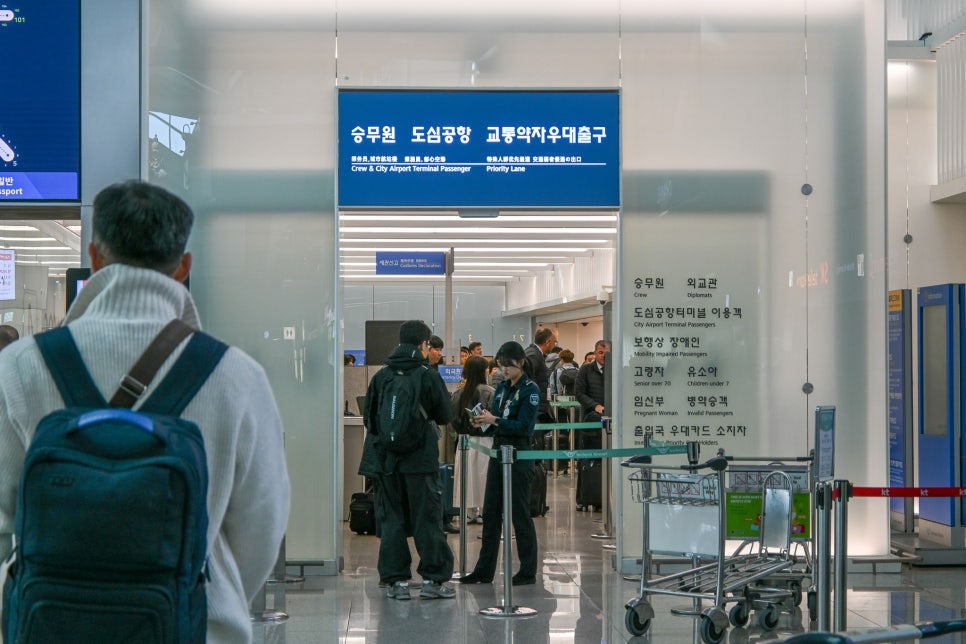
900 492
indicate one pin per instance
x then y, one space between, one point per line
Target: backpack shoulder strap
73 380
139 377
417 374
187 375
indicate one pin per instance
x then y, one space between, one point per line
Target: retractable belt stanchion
605 477
823 554
463 447
259 610
507 609
842 492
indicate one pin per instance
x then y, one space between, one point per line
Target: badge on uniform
535 400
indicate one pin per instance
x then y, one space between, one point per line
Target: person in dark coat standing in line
589 390
408 494
510 422
543 341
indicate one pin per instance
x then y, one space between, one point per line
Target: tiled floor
578 598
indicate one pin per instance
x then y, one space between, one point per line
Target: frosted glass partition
729 109
253 92
751 284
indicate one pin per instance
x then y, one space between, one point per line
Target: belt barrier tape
904 492
539 454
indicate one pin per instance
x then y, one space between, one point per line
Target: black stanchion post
823 555
507 455
463 447
605 476
556 438
841 553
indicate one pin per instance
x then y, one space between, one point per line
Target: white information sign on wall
8 274
690 346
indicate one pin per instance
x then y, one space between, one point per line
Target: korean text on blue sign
405 263
451 374
40 109
479 148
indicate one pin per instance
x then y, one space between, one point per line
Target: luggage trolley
744 489
685 515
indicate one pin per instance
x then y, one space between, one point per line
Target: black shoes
474 578
520 580
449 528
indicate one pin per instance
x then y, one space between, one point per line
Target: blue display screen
40 100
479 148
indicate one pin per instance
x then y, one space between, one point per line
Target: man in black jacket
408 492
589 390
543 341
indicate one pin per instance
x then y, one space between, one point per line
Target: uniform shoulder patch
535 400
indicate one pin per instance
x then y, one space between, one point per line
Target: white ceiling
488 250
54 244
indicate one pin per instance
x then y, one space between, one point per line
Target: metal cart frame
727 579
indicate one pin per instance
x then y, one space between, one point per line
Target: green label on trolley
744 515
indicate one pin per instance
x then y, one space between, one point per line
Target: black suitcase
446 481
538 491
362 513
589 496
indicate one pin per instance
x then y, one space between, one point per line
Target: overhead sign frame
478 148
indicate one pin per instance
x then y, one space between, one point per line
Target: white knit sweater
115 316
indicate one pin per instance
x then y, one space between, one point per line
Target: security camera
603 297
584 323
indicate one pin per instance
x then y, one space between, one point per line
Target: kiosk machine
941 447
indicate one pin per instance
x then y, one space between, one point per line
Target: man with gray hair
139 262
8 334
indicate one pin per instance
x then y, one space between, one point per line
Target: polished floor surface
578 598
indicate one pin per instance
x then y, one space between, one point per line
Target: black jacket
435 400
589 387
540 374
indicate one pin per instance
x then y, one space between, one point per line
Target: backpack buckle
131 386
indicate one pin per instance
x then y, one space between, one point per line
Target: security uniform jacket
515 407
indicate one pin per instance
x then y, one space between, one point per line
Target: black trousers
410 504
521 477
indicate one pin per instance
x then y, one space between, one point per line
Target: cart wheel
768 618
796 589
812 602
710 634
739 614
635 625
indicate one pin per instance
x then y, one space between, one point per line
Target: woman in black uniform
511 421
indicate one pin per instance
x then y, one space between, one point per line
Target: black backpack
111 524
400 417
567 381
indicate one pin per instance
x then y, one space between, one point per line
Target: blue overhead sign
479 148
407 263
40 104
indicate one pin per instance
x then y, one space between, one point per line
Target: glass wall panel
753 155
752 286
253 93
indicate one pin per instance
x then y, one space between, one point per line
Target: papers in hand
477 411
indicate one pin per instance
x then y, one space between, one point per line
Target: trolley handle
716 463
771 460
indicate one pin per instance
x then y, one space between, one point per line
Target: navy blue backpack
111 524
